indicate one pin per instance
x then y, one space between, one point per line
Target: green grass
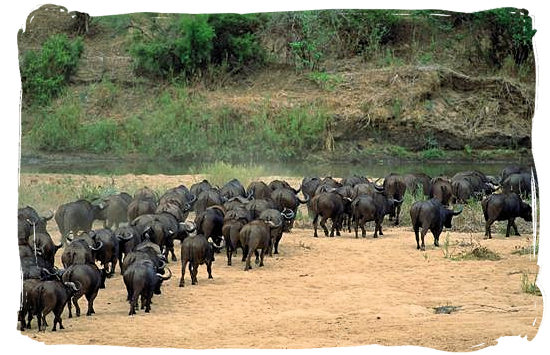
325 81
529 287
181 126
219 173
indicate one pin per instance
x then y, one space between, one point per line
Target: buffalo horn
122 237
48 216
162 265
166 277
398 201
289 214
210 240
303 201
460 208
273 225
100 244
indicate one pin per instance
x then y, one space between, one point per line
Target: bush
44 73
236 42
56 130
191 43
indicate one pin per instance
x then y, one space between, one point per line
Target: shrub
44 73
56 129
236 42
190 44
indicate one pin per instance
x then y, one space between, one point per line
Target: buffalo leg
229 251
397 212
488 224
315 219
323 224
422 236
183 265
257 255
245 253
76 306
262 253
195 271
356 228
515 227
277 240
436 234
90 300
148 298
247 265
113 266
69 306
209 269
417 237
133 303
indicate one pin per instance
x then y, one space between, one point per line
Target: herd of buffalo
139 231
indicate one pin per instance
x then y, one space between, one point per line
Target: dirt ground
325 292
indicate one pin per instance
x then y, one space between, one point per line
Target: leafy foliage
44 73
511 34
189 44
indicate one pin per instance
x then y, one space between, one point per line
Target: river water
376 168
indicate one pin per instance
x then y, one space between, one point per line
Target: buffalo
199 187
519 183
327 205
253 236
208 198
77 216
81 250
430 215
441 189
90 279
42 244
52 296
258 190
505 207
278 219
141 206
395 187
210 222
142 279
416 181
196 250
233 222
108 254
233 188
29 221
115 210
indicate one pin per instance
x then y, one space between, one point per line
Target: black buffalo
505 207
196 250
430 215
77 216
258 190
277 219
327 205
255 236
115 210
142 279
441 189
52 296
209 223
81 250
518 183
90 279
29 221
